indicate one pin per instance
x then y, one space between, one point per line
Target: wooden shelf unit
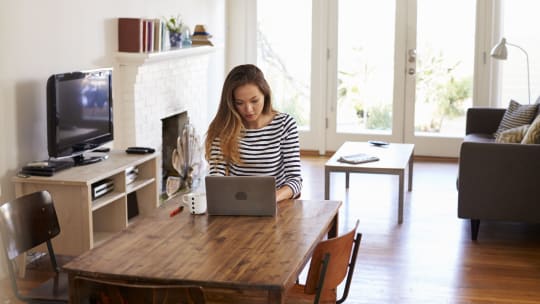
85 222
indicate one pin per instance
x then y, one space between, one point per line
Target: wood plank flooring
429 258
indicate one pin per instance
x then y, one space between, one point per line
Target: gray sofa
496 181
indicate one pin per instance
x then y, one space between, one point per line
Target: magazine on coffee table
358 158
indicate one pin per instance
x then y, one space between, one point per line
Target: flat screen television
79 114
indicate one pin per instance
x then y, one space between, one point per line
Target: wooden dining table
236 259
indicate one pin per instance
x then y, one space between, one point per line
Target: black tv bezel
67 149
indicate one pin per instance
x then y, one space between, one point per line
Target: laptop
241 195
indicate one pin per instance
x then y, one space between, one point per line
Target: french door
398 71
402 72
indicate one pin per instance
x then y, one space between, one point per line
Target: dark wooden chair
90 290
322 280
25 223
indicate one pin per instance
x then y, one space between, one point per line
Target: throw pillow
533 133
516 115
512 136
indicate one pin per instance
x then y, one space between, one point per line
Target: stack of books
201 36
142 35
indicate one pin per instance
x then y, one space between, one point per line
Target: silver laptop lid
241 195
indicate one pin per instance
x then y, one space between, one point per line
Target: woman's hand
284 193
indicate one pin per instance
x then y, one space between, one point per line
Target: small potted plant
174 26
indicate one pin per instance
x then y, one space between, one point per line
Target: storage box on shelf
86 221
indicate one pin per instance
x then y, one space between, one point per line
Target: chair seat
296 295
54 289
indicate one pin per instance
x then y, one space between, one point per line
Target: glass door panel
365 66
362 67
444 66
284 54
440 65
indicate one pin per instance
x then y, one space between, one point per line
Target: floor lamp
500 52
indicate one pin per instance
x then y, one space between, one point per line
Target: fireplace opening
172 127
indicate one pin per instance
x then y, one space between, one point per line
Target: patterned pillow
533 133
514 135
516 115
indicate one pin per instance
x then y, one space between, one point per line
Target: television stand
81 160
86 220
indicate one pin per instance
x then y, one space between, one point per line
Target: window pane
519 28
445 63
284 54
365 66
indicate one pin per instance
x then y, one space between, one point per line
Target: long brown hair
227 124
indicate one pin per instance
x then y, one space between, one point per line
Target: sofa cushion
514 135
516 115
479 137
533 133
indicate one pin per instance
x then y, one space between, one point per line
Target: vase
175 39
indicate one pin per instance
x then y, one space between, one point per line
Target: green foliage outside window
438 85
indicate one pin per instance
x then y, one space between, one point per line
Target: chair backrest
341 264
89 290
28 221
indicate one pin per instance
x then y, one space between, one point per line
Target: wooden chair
25 223
342 252
89 290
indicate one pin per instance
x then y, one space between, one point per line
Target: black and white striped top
272 150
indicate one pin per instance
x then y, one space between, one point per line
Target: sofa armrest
499 182
483 120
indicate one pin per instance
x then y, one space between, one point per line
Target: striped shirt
273 150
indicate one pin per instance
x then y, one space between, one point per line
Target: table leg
326 183
400 203
333 230
410 172
347 179
20 261
275 296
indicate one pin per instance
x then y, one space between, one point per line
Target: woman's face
249 102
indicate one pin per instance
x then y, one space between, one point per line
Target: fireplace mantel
142 58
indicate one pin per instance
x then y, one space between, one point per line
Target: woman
248 137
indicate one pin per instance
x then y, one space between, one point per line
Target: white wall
40 38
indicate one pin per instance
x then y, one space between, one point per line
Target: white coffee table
393 159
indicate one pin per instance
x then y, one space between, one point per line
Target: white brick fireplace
151 86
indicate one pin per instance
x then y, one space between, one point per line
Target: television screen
79 112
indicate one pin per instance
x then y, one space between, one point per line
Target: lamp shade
499 51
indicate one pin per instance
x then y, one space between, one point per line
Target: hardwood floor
429 258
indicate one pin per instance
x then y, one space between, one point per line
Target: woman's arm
216 164
290 149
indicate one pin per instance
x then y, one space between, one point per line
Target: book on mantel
141 35
130 35
358 158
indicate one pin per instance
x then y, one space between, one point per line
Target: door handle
412 55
